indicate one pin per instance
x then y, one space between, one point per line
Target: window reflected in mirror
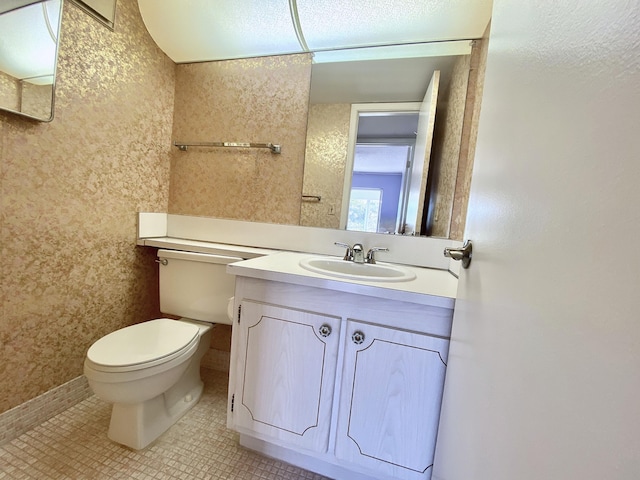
364 209
379 185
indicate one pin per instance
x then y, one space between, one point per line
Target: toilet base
136 425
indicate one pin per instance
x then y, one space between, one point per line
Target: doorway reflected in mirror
381 173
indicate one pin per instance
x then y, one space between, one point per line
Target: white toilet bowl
151 374
151 371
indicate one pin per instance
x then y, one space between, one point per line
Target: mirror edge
109 22
55 74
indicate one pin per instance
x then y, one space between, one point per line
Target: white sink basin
379 272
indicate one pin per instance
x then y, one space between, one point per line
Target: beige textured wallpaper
258 100
478 63
448 149
9 92
325 160
36 100
69 193
455 140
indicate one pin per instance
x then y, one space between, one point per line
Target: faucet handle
348 256
371 254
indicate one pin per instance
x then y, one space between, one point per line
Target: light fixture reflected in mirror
102 10
29 35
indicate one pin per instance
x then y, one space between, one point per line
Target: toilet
151 371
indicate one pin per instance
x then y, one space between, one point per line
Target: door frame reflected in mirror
370 109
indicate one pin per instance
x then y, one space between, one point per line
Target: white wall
544 366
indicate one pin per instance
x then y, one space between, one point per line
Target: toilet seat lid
149 342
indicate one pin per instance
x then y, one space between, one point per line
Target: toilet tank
195 285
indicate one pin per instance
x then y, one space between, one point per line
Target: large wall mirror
29 38
408 59
370 139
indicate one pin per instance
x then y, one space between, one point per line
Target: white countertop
197 246
430 287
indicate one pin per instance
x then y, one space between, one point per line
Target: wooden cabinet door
287 365
390 401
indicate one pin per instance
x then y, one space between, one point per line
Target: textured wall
249 100
325 159
36 100
543 378
475 89
449 123
9 92
457 130
69 193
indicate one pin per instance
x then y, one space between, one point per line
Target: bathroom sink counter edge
198 246
430 287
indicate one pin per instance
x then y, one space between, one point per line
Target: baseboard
38 410
216 360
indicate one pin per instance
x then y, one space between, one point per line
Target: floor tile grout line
73 445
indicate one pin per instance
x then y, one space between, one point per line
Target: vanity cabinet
343 384
287 363
391 391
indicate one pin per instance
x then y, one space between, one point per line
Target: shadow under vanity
339 376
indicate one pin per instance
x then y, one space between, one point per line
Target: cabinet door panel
390 402
287 370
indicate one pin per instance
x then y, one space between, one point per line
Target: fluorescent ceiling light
343 24
206 30
419 50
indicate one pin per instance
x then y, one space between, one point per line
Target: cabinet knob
357 337
324 330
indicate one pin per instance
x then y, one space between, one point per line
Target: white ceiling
375 81
403 125
380 159
205 30
209 30
377 132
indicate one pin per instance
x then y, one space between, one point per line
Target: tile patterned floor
74 445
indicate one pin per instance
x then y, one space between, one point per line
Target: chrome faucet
356 253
